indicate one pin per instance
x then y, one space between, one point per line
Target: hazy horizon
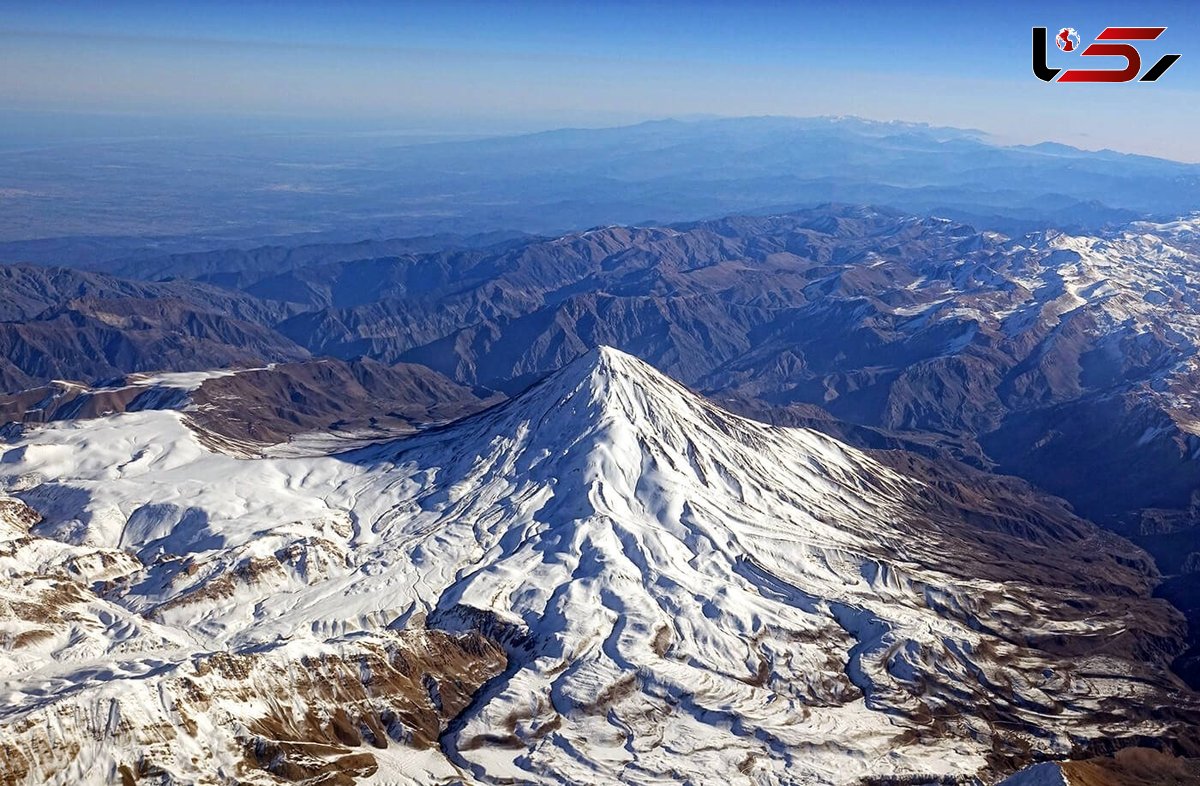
86 70
44 128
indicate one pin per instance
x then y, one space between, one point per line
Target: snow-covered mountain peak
605 367
648 554
664 591
604 381
610 438
607 399
609 381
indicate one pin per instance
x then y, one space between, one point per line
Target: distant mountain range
111 201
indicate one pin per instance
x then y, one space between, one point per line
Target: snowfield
604 580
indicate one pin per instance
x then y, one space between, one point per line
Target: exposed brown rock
271 405
324 713
1134 767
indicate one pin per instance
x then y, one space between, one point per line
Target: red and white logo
1067 39
1112 42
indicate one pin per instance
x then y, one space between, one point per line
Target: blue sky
509 66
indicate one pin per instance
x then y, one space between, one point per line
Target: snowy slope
604 580
1039 775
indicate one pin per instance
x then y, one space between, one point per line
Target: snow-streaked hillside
604 580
